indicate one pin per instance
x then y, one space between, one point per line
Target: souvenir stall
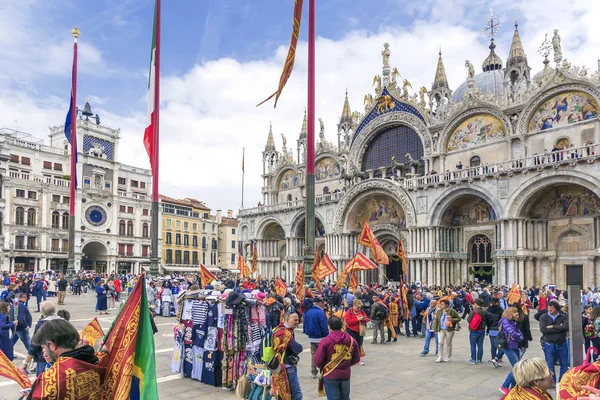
219 337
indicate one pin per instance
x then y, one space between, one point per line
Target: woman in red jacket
355 317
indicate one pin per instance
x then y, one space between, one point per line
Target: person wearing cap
554 326
315 327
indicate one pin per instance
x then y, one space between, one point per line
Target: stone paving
392 370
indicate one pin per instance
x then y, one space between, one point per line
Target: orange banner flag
326 267
353 281
367 238
92 332
206 276
10 371
300 282
254 259
243 267
316 273
291 56
341 280
402 257
280 287
359 262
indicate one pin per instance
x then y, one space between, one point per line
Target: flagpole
309 221
243 173
154 258
73 181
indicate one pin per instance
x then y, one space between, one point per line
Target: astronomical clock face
95 215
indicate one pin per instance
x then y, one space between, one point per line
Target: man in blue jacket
315 326
23 316
38 291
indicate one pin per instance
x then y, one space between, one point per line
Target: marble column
521 271
596 271
510 271
12 265
501 271
553 275
529 272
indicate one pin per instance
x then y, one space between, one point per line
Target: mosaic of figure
473 211
563 109
565 201
327 168
289 179
377 210
274 232
476 130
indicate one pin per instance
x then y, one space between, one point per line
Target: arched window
122 228
130 228
475 161
31 217
145 230
65 220
289 197
55 220
393 142
214 244
20 216
481 250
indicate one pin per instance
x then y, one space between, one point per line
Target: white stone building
497 180
113 202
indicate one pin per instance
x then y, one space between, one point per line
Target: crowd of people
336 319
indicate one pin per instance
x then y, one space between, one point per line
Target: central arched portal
386 218
94 256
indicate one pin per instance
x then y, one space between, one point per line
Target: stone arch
573 230
460 118
260 229
451 195
95 249
297 221
517 202
369 187
543 95
388 120
244 233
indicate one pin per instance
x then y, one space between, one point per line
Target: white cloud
209 113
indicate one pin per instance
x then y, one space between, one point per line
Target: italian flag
152 128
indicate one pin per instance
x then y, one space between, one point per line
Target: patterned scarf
526 393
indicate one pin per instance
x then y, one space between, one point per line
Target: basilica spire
440 80
346 113
516 54
304 130
270 146
492 62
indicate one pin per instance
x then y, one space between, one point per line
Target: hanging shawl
280 385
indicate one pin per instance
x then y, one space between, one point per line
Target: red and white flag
151 129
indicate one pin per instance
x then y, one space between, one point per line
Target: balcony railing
535 162
38 178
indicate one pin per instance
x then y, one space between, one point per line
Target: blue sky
221 57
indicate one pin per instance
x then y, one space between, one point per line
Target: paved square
392 371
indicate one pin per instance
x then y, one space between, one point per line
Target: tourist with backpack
510 337
476 320
379 312
444 325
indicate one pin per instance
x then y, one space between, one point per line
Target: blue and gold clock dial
95 215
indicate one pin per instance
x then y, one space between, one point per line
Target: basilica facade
498 179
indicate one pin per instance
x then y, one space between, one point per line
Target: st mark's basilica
497 179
